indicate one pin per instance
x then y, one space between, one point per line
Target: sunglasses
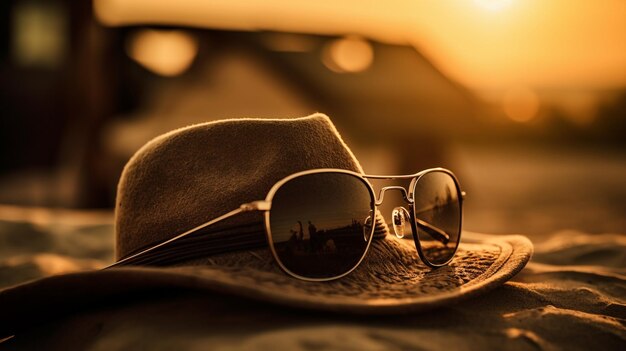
320 223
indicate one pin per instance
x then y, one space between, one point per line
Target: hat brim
390 280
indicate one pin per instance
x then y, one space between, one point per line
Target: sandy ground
536 191
571 296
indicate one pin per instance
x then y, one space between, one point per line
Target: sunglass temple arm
247 207
256 206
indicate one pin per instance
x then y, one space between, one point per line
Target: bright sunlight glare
493 5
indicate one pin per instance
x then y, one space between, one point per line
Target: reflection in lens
437 212
317 222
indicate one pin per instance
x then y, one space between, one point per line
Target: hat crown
191 175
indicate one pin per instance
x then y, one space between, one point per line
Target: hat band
210 241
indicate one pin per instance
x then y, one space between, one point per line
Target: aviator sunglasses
320 223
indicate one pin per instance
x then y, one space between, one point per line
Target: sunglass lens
317 224
437 213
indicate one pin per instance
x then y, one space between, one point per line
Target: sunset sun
493 5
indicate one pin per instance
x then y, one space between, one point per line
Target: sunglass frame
266 205
375 202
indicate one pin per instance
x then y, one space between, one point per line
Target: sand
571 296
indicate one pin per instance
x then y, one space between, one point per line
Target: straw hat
191 175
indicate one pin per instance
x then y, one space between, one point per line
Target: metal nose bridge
381 194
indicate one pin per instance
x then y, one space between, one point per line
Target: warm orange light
484 44
348 55
167 53
493 5
520 104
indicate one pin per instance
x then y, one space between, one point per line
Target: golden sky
485 44
577 44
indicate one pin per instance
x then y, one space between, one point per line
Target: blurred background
524 100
